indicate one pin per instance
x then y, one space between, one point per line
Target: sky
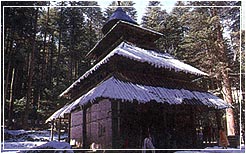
140 6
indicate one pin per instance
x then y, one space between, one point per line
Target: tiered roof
119 14
114 88
124 39
124 31
157 60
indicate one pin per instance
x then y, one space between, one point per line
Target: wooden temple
134 89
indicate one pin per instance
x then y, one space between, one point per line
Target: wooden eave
124 31
129 70
119 87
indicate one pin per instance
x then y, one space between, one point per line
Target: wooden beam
59 130
84 129
52 130
69 126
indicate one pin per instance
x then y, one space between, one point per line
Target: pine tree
208 49
44 53
154 16
178 30
18 52
167 24
31 69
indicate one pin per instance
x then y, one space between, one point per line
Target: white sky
140 6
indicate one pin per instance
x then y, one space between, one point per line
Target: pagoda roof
122 31
114 88
119 14
157 60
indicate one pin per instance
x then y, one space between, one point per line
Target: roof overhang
114 88
122 30
157 60
57 114
119 14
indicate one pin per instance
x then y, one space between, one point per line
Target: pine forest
45 44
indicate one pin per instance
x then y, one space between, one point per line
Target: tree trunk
44 63
51 62
60 41
8 50
30 72
226 85
228 98
11 100
6 83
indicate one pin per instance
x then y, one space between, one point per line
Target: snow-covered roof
158 60
114 88
123 30
119 14
57 113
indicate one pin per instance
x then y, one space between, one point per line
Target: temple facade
134 90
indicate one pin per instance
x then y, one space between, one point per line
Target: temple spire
119 14
119 3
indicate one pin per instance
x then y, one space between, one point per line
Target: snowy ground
216 149
19 141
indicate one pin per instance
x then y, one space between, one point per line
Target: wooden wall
99 124
115 124
76 128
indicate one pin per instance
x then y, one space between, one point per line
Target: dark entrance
171 126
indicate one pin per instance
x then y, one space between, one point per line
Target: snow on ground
216 149
38 147
57 147
16 146
19 141
16 140
22 135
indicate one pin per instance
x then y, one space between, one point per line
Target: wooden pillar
69 126
118 118
140 126
175 116
84 129
193 121
115 126
218 119
52 130
59 130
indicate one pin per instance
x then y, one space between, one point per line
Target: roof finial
119 3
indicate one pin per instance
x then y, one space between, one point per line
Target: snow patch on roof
127 91
57 113
158 60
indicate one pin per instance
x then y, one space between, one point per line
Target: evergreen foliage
45 47
63 36
205 37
